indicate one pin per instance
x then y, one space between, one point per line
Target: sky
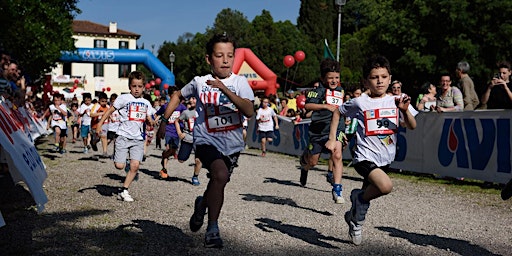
163 20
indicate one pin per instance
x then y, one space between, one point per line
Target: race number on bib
333 97
137 112
381 121
222 118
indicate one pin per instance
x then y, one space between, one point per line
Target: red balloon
299 56
288 61
108 89
103 89
148 85
254 83
76 81
157 93
152 82
301 101
75 86
158 81
166 86
71 90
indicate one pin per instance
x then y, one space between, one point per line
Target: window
99 69
124 69
66 68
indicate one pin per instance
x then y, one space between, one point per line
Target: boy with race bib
223 98
378 115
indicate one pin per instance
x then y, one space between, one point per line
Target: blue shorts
173 142
84 131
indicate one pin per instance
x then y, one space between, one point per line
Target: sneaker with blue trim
330 177
195 181
356 215
197 218
337 193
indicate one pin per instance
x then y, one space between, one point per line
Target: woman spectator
427 98
284 107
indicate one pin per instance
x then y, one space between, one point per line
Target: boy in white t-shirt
378 115
85 114
223 98
134 110
267 121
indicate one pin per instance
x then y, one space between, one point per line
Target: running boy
133 112
57 121
267 122
223 98
188 118
378 116
323 101
96 115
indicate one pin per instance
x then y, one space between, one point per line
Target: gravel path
266 212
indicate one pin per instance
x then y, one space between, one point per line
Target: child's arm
403 104
244 105
276 122
103 118
180 133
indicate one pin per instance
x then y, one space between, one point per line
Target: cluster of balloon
107 89
289 61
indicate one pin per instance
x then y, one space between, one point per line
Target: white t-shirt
85 111
265 119
133 113
219 123
114 121
58 119
378 120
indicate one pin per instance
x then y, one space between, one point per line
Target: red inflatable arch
259 75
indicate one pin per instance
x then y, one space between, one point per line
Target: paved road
266 212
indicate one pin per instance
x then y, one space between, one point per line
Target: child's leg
56 129
214 193
104 144
379 184
197 166
263 144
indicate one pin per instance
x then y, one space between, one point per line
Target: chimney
112 29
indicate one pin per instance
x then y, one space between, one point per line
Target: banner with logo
23 160
470 144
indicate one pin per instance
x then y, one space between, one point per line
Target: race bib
191 122
334 97
137 112
382 121
175 115
222 118
56 117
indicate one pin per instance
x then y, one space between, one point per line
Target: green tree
35 32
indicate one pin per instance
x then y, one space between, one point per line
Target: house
74 78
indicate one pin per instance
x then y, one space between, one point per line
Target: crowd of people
209 116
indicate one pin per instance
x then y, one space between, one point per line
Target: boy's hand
403 102
331 145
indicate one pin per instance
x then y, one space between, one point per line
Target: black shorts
63 132
207 154
267 134
317 145
185 150
111 135
364 168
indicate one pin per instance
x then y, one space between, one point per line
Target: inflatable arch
259 75
122 56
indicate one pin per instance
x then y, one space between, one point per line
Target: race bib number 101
220 118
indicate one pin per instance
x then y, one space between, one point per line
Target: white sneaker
125 196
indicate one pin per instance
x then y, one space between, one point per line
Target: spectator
284 107
427 98
498 94
449 98
396 88
466 86
292 102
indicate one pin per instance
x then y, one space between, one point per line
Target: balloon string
286 80
296 67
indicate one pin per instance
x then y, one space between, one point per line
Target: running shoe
63 151
163 173
212 240
337 194
195 181
125 196
86 150
356 215
94 141
263 153
506 193
197 218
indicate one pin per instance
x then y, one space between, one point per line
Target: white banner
23 160
470 144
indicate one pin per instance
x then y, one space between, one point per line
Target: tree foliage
35 32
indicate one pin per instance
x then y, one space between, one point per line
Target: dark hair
74 105
86 95
504 64
329 65
113 96
425 87
136 75
58 96
375 62
102 96
219 38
